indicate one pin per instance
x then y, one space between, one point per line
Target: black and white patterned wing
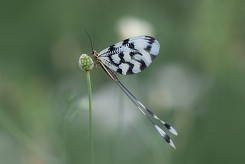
131 55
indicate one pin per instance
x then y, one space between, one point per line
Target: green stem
90 116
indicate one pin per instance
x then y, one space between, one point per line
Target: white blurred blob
130 26
175 86
112 107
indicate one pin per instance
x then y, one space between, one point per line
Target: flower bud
86 62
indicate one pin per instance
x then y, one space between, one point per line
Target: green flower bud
86 62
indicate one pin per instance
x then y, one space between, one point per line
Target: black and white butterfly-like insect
132 56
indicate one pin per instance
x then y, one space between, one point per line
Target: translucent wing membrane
131 55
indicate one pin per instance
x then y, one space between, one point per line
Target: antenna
91 43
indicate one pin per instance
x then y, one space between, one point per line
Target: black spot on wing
142 65
133 53
120 55
119 70
111 48
167 126
111 61
150 39
131 45
130 72
110 58
148 48
152 57
125 42
167 138
130 68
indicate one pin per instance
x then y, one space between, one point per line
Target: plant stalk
90 116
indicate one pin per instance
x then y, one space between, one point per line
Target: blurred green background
197 82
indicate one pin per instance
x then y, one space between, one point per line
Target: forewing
131 55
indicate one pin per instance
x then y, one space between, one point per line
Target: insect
132 56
